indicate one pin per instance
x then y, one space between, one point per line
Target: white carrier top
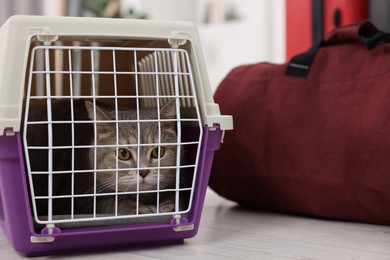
18 32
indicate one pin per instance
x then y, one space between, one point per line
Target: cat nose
143 173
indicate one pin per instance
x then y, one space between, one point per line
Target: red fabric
318 146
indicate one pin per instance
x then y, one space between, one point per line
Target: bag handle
366 32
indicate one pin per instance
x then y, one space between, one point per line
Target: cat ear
101 114
168 111
105 131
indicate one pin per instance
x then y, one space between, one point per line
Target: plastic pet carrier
107 132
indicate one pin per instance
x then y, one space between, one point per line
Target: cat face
145 163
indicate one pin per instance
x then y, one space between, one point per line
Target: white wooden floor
230 232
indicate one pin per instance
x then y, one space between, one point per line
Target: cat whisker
106 186
166 181
102 187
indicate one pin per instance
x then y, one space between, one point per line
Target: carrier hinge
49 230
9 131
182 223
177 39
43 35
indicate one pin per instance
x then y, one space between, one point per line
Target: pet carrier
108 130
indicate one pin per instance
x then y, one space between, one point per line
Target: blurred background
232 32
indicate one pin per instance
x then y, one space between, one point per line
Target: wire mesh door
110 133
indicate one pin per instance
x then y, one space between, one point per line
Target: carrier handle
366 32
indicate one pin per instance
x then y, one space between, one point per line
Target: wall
257 34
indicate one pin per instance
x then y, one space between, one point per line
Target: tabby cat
134 157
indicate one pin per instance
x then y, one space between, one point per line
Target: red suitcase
307 21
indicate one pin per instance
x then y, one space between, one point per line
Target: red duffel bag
311 136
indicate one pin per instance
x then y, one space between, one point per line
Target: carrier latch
43 35
183 224
177 39
48 230
9 131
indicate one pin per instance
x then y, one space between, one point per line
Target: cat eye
124 154
155 154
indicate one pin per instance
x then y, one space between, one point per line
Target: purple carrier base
17 220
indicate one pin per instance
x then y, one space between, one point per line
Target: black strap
299 65
372 39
